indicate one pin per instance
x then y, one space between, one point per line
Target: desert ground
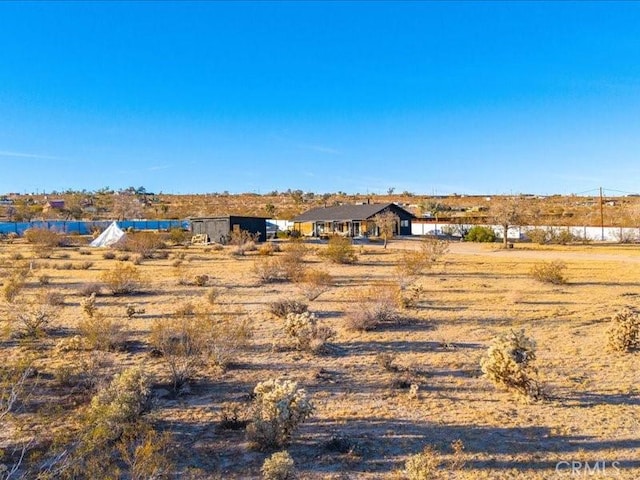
371 412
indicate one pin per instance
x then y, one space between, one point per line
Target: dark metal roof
345 212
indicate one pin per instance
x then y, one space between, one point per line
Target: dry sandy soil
591 414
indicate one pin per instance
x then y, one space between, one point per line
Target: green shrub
509 364
100 332
339 250
624 333
479 233
279 406
549 272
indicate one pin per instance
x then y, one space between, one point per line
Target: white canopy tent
111 235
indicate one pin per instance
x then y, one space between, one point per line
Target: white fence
608 234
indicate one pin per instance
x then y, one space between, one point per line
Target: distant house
218 229
350 220
53 205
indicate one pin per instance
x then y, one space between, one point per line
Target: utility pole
601 217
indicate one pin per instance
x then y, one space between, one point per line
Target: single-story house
350 220
53 205
218 229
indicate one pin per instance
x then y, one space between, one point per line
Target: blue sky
432 97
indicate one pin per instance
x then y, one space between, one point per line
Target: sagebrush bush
415 262
549 272
339 250
373 307
279 406
100 332
314 282
109 255
279 466
624 332
509 363
284 306
123 279
12 287
45 237
305 333
53 298
120 403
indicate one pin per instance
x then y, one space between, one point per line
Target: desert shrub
339 250
137 259
52 298
188 342
509 364
243 237
145 452
109 255
212 296
64 256
423 465
279 406
99 332
233 416
538 235
269 248
178 236
543 236
479 233
409 297
181 345
45 237
373 307
201 280
16 256
32 320
131 311
142 243
119 404
44 279
185 309
12 287
279 466
385 360
415 262
84 252
89 288
314 282
624 332
270 270
13 378
549 272
305 333
283 307
123 279
123 257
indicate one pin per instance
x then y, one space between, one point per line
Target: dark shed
219 228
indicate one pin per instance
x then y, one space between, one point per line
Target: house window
404 223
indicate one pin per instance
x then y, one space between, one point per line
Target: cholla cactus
305 332
624 334
89 305
279 407
279 466
509 363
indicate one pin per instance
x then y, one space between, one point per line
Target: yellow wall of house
304 228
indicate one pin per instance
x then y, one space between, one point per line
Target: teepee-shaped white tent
110 236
